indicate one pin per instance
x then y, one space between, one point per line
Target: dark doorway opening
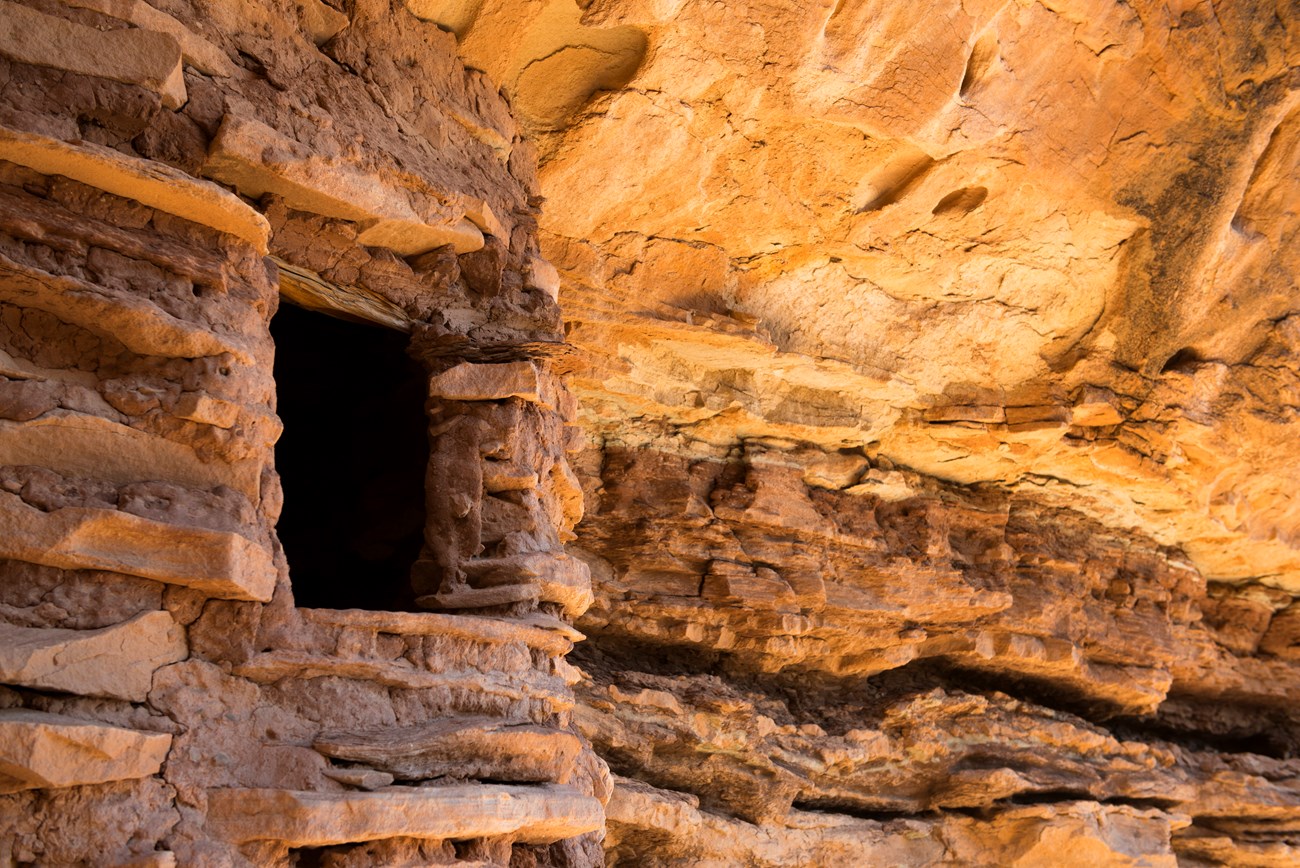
352 460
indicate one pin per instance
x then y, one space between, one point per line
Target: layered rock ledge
573 432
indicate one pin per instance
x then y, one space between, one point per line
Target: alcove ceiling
1048 246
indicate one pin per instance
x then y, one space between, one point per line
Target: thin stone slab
559 577
256 159
197 51
470 381
142 57
81 538
481 598
529 814
135 321
484 748
308 289
40 750
360 778
148 182
273 666
80 445
542 632
116 661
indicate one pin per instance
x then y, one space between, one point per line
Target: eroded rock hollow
554 433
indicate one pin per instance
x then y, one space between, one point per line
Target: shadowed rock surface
835 433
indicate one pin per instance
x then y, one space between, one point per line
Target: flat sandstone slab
256 159
116 661
142 57
148 182
272 666
77 444
138 323
531 814
470 381
40 750
482 748
81 538
544 633
197 51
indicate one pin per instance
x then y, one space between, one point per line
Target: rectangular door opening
352 460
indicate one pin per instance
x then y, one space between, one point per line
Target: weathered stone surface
274 666
255 159
218 563
80 445
471 382
196 50
361 778
202 408
114 824
539 814
308 289
558 578
321 21
148 182
673 830
142 325
938 379
878 277
536 631
745 754
50 750
485 749
144 57
117 661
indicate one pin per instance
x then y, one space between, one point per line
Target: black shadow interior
351 460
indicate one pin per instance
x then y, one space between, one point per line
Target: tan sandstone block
81 445
483 748
531 814
49 750
495 382
137 322
221 564
256 159
116 661
207 410
544 276
453 15
272 666
322 22
965 413
361 779
145 181
1096 408
541 632
558 577
143 57
197 51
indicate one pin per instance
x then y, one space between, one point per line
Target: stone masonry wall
166 172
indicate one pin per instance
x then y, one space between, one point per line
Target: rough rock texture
164 170
898 398
940 387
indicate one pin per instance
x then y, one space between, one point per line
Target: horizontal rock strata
539 816
844 433
44 750
165 173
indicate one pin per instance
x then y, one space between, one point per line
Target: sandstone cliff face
941 386
898 399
